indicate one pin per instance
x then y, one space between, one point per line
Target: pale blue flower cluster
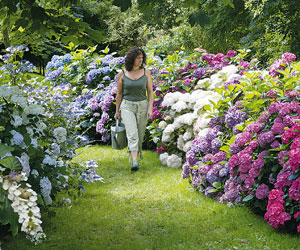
49 160
17 139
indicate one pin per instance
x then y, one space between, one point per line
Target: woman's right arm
119 95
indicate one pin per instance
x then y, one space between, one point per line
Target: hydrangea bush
182 89
35 155
257 120
88 83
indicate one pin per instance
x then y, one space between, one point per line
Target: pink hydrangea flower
274 107
254 127
231 53
242 138
264 116
283 180
289 57
265 138
294 191
278 128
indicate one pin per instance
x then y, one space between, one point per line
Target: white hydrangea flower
165 138
179 106
174 161
171 98
168 118
21 100
229 70
203 83
203 132
16 121
163 158
23 202
34 109
180 142
41 126
169 129
162 125
187 135
156 139
60 134
186 97
187 146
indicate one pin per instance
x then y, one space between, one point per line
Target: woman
135 101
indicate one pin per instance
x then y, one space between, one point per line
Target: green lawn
151 209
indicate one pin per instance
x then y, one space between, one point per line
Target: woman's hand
117 115
149 114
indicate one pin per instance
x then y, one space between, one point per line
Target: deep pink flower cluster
155 113
292 93
290 133
161 149
283 180
254 127
266 138
294 191
219 59
289 57
275 214
278 128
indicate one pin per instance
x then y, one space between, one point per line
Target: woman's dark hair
131 55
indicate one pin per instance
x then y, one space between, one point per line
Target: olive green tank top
134 90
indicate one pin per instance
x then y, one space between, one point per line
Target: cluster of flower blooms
24 203
281 64
90 174
56 66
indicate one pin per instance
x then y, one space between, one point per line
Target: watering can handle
117 124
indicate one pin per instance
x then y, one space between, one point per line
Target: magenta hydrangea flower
275 144
275 214
262 191
285 109
254 127
294 191
279 64
274 107
231 53
294 158
220 156
265 138
155 113
242 138
283 180
278 128
289 57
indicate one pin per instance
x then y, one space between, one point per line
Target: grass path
151 209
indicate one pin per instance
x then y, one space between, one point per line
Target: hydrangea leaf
4 149
248 197
11 162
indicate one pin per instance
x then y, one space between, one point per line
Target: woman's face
138 61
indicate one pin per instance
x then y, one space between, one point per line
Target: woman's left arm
150 94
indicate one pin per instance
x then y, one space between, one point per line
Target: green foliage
126 29
183 37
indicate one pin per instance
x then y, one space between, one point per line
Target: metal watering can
118 135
